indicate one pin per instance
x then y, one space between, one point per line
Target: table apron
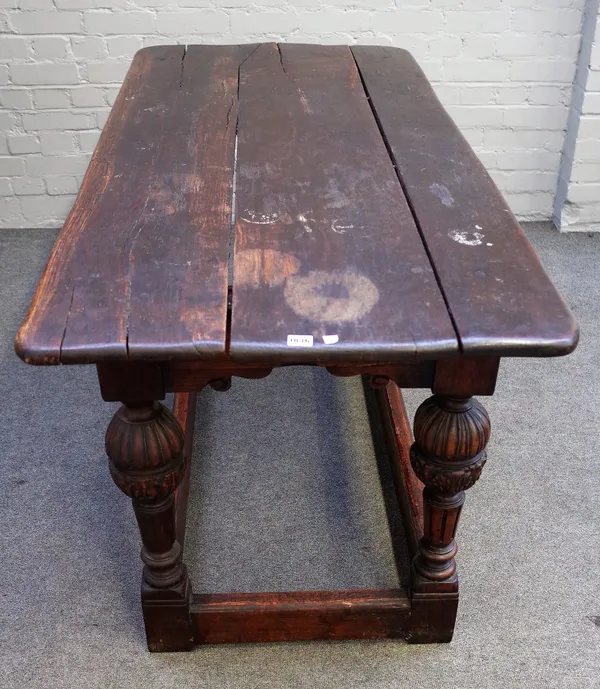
140 381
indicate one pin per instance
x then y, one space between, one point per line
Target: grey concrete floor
285 496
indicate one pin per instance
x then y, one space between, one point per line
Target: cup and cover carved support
144 444
451 434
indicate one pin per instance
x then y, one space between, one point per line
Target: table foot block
432 618
301 616
167 618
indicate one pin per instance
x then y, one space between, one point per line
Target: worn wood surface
185 376
332 242
139 270
466 377
500 299
362 220
300 616
325 244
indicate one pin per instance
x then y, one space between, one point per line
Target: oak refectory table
256 206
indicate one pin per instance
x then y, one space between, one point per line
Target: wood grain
325 244
184 410
300 616
448 455
466 377
498 294
139 270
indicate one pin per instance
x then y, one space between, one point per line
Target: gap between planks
232 222
408 200
233 218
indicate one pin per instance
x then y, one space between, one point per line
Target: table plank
325 244
140 268
499 296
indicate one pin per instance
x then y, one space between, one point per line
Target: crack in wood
232 220
129 278
182 65
62 339
281 59
256 47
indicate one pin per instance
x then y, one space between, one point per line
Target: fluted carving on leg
144 444
448 455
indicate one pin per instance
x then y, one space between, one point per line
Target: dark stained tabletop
288 203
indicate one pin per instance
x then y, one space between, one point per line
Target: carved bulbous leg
144 444
448 455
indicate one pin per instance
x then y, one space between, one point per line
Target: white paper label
299 340
331 339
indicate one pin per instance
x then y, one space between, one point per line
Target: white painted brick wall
580 209
504 69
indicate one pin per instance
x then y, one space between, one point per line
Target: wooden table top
358 223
